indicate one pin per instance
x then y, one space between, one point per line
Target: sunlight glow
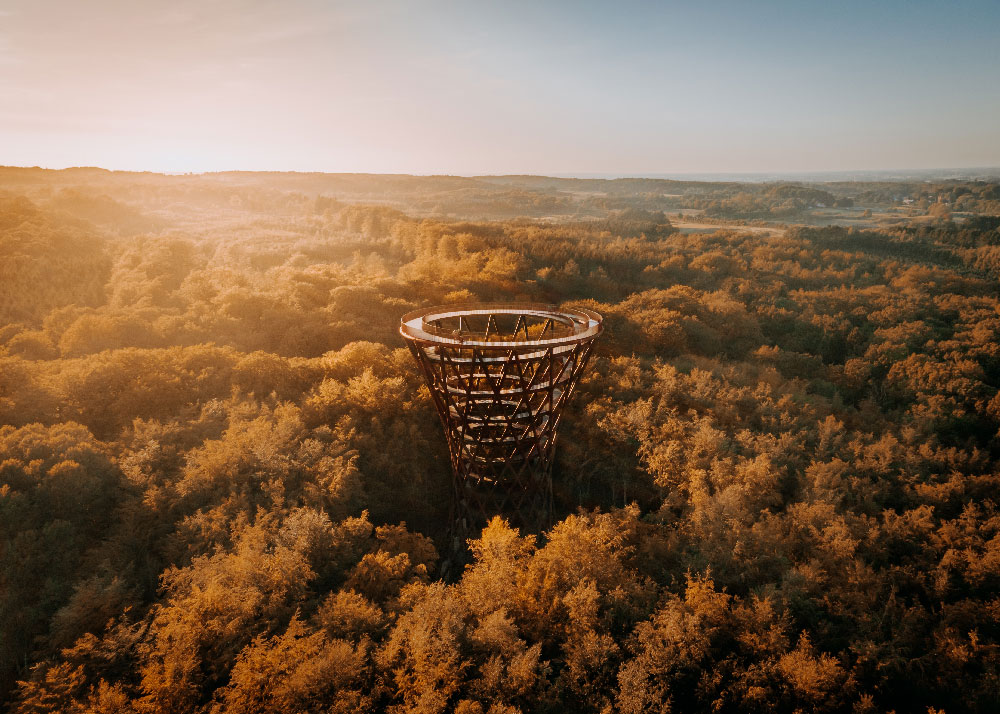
437 86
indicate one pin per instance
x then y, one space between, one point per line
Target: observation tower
501 375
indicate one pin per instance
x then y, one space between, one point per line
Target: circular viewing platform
499 326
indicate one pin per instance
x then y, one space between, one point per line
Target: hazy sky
499 87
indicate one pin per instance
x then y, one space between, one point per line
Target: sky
489 87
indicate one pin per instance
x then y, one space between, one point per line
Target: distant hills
984 173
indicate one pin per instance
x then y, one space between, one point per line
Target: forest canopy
223 486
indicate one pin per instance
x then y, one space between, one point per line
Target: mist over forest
224 488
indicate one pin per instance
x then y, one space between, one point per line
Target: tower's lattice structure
500 375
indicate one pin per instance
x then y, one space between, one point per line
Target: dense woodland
223 486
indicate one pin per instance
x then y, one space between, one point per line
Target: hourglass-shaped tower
501 375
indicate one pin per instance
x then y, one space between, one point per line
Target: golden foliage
776 490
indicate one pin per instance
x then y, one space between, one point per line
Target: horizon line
582 175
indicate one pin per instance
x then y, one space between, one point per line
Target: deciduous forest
224 487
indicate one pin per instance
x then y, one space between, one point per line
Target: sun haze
332 403
525 87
